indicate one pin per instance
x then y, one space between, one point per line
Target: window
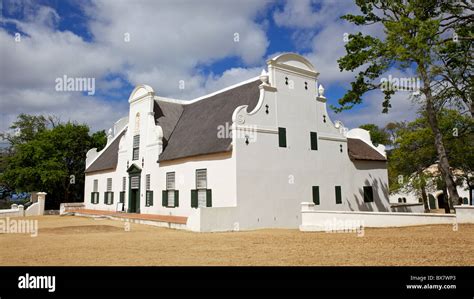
95 193
368 194
314 140
316 195
282 137
201 179
170 195
201 196
124 189
149 192
109 195
338 195
135 182
136 147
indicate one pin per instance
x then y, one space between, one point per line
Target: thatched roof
359 150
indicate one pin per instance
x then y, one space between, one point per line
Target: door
134 199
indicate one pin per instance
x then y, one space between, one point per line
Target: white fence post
41 200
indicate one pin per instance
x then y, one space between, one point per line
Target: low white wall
15 211
408 207
70 206
314 220
213 220
37 209
465 213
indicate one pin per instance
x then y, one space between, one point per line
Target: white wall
273 181
316 220
220 167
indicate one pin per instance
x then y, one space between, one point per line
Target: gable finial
264 77
321 91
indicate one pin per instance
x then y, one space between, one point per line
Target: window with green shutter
149 192
164 198
136 147
122 197
203 195
172 195
194 199
95 197
368 194
316 195
176 198
282 137
338 195
314 140
149 198
208 198
108 198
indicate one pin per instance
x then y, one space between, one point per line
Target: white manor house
241 158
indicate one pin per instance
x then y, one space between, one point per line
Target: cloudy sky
208 45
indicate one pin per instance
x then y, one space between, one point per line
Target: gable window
149 192
316 195
170 196
338 195
124 188
201 196
109 195
314 140
282 137
95 192
368 194
136 147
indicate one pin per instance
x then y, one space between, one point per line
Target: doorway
134 205
134 173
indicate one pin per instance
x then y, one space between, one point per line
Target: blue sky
169 41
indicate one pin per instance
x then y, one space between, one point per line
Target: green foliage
46 161
414 148
418 34
377 135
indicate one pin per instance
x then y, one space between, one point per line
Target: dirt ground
68 240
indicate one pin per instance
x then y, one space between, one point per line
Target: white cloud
169 42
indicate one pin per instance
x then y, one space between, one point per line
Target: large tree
414 151
53 161
418 37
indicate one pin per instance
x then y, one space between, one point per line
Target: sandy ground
69 240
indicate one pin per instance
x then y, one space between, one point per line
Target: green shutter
176 198
208 198
338 195
92 197
314 141
194 199
316 195
105 197
368 194
122 197
164 198
111 198
97 194
282 137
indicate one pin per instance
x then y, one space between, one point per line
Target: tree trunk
443 162
447 205
472 109
424 197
